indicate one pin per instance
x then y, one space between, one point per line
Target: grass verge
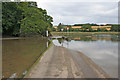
87 32
82 33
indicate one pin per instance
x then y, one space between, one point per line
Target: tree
60 27
78 24
103 29
115 27
98 29
53 29
25 18
86 27
11 16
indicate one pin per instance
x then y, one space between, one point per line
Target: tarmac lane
60 62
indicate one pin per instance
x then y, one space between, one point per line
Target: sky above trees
81 11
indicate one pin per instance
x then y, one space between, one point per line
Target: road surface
60 62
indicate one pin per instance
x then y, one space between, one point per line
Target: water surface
18 55
102 49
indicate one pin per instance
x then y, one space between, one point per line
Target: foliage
115 28
98 29
84 24
60 27
11 15
78 24
103 29
53 29
86 27
25 18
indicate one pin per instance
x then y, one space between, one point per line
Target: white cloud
75 0
100 9
81 11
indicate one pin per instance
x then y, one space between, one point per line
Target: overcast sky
81 11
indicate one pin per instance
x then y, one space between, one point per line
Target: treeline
87 28
86 23
24 19
114 27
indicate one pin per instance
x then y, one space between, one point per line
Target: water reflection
96 37
113 38
102 49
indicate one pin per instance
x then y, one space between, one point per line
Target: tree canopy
115 27
86 27
60 26
24 18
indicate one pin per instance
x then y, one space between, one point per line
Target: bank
64 33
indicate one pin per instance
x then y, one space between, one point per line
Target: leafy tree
0 18
98 29
78 24
25 18
11 15
115 27
86 27
53 29
103 29
60 27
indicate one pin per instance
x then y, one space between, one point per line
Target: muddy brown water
102 49
19 54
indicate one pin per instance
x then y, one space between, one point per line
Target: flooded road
102 49
19 54
60 62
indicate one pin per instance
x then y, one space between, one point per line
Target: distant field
65 33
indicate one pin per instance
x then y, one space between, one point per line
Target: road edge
36 62
94 66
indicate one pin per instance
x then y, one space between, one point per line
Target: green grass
64 33
85 32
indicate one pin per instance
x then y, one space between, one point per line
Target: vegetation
25 19
87 36
60 26
10 18
87 28
115 28
87 23
0 18
64 33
